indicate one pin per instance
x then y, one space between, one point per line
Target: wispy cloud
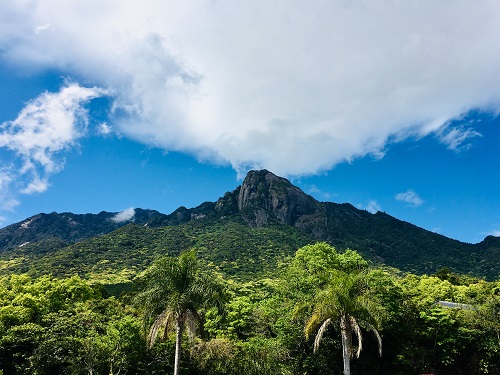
37 138
410 197
7 201
315 191
9 204
39 29
104 129
457 138
373 207
125 215
294 95
495 232
36 185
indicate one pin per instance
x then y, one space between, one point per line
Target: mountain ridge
265 200
68 227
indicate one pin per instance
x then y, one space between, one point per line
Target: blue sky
389 106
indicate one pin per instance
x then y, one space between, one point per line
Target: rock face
264 196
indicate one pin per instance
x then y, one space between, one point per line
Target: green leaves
175 293
317 262
52 326
179 285
67 326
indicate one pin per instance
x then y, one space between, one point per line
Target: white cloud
7 202
317 192
125 215
313 189
41 28
104 129
46 127
292 87
495 233
456 138
410 197
37 185
373 207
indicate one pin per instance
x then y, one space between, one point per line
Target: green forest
320 311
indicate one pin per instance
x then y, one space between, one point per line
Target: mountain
247 230
66 228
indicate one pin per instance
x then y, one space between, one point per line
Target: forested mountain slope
67 228
247 230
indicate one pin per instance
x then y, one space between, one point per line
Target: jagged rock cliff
266 196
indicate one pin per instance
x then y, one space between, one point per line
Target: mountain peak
264 199
267 196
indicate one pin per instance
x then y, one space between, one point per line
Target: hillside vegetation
443 324
227 246
247 231
74 295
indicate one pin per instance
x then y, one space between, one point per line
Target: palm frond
359 335
311 324
377 335
170 322
158 324
319 335
191 319
175 289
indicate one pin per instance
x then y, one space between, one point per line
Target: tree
345 300
176 291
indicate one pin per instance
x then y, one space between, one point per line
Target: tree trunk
178 339
344 331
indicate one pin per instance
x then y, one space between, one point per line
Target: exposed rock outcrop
270 197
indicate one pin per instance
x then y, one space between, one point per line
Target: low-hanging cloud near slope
295 87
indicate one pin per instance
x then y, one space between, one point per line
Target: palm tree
176 290
346 301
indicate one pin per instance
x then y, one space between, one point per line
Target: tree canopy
254 325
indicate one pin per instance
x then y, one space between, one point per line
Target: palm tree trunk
178 339
344 331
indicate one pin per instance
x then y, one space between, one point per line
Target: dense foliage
176 292
229 246
443 324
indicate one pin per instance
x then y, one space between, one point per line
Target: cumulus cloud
45 128
36 185
125 215
292 87
410 197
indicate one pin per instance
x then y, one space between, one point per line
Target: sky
391 106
